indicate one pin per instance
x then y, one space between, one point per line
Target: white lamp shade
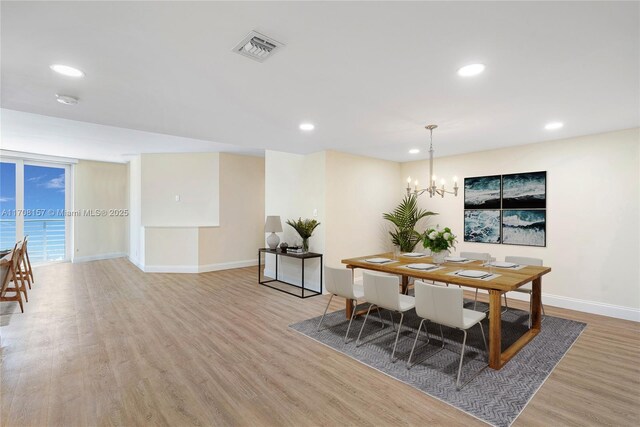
273 225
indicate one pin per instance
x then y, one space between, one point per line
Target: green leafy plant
305 229
405 217
438 239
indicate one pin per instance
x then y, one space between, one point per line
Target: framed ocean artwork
482 192
524 190
524 227
482 226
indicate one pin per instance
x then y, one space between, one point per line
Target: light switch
315 213
177 197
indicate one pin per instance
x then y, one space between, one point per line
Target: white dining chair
382 291
339 281
444 306
526 289
486 257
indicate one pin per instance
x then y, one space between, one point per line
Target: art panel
482 226
482 192
524 190
524 227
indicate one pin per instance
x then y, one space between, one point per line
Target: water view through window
42 216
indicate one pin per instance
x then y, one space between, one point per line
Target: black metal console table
302 257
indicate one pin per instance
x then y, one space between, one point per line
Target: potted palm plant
305 230
405 217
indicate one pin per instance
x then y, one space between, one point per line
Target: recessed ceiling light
471 70
66 70
307 126
66 99
553 125
414 151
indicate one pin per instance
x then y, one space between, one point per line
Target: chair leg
325 312
20 301
380 316
353 314
484 340
464 342
362 327
397 336
475 302
415 342
393 323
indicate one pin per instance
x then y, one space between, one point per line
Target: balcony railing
46 238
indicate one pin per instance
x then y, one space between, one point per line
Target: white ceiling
369 75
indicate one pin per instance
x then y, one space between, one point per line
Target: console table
302 257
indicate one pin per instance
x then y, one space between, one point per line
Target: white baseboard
170 269
593 307
228 265
99 257
136 263
198 268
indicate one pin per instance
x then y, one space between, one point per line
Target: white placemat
434 268
466 261
516 267
414 255
486 279
379 260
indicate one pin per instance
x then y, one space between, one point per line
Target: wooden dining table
506 280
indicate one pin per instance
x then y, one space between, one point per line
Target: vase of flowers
439 241
305 229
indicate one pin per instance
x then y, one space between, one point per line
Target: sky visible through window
43 189
43 210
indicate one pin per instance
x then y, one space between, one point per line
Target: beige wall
359 189
100 185
173 249
593 234
241 230
194 177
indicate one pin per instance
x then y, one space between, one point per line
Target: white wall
295 188
100 185
593 234
194 177
346 193
187 236
136 232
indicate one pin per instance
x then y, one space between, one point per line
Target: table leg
349 308
495 329
536 303
405 284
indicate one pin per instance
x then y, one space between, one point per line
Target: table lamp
273 226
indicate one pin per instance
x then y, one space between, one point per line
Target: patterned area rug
496 397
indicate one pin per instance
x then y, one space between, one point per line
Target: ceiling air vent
257 46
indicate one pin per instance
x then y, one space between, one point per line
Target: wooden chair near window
8 269
18 278
25 272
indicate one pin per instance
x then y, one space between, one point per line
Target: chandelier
432 189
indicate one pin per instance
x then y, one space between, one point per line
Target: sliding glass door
44 206
7 205
34 201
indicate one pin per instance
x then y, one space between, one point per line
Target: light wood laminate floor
102 343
